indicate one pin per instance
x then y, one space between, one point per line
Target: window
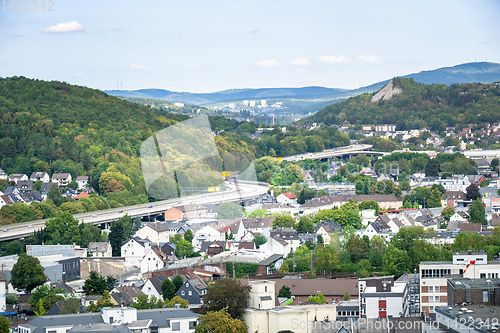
431 289
431 299
149 288
431 309
190 293
483 276
436 299
176 326
183 293
187 284
436 289
192 324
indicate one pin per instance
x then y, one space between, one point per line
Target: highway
340 151
244 190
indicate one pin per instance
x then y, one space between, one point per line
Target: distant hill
311 99
410 104
227 95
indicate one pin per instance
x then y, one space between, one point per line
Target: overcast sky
205 46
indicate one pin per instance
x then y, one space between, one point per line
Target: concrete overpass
349 151
235 193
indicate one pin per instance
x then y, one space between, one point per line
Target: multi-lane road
335 152
244 190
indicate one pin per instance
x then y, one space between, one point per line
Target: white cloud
72 26
334 60
268 63
368 59
140 67
300 62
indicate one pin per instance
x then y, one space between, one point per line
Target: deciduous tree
27 273
219 322
226 293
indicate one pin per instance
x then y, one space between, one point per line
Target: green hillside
419 105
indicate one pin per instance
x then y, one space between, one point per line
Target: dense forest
435 107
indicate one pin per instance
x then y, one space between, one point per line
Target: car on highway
6 229
120 211
95 215
31 226
150 206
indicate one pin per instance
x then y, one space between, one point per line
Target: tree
226 293
55 195
120 231
473 192
27 273
219 322
40 309
447 212
39 293
347 296
285 292
259 240
95 284
4 325
229 210
305 225
435 199
183 249
283 220
183 303
111 282
167 289
188 235
319 298
477 212
103 302
178 281
396 262
494 163
432 168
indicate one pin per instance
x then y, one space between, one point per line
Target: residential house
152 287
14 194
31 196
69 193
153 260
125 295
82 182
460 216
378 228
4 200
211 248
45 188
427 219
100 249
82 195
450 198
17 177
155 232
193 290
259 225
185 212
316 204
40 176
208 233
289 235
3 175
276 245
134 250
287 198
62 179
169 250
326 229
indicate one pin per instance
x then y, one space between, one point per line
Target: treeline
420 105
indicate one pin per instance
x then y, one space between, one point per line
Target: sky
207 46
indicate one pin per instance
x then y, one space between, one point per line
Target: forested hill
58 127
419 105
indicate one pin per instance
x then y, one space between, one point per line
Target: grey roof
156 282
98 246
73 319
63 175
163 316
46 186
31 196
272 258
25 185
102 328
